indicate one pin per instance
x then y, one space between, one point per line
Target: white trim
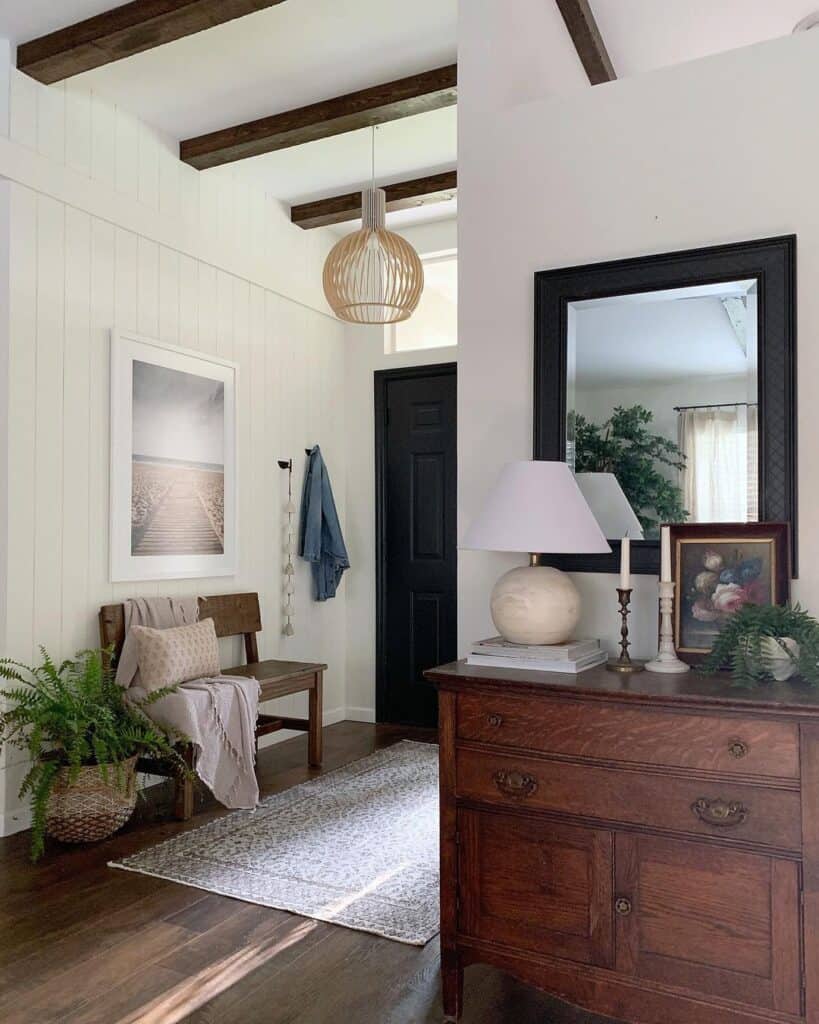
360 714
331 717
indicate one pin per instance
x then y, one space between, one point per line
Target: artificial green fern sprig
740 645
74 715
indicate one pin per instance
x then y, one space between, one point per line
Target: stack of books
575 656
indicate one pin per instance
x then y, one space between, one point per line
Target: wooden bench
238 615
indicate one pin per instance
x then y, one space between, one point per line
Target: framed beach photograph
173 462
718 568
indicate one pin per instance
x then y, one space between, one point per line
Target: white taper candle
665 554
625 563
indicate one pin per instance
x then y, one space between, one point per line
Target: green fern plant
739 647
73 715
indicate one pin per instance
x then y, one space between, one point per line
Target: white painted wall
365 355
637 166
107 227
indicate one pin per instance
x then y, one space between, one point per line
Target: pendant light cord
373 157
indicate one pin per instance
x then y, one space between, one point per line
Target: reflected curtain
720 481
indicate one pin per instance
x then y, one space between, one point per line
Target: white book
498 647
537 665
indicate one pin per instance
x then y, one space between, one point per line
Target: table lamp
536 507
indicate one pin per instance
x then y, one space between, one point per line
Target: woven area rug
356 847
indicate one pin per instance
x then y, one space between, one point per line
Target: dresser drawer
732 810
720 743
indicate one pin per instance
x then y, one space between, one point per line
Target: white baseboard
329 717
360 714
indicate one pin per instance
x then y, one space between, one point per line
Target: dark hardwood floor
84 944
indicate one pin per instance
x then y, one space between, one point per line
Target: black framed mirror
668 383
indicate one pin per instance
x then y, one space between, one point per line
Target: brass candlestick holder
624 662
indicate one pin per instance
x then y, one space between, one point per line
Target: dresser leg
452 984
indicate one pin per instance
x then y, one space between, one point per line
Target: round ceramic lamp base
535 604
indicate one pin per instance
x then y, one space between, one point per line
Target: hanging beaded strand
289 551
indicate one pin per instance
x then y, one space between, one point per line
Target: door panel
711 920
416 416
537 886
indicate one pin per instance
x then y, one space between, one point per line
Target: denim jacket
320 539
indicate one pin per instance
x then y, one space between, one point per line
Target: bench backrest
232 614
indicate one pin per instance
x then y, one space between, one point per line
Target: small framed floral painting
719 567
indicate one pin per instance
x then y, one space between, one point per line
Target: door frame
381 381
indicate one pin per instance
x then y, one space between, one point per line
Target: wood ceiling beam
587 40
434 188
417 94
123 31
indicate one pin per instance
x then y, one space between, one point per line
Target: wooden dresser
646 847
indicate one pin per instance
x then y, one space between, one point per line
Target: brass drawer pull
516 784
623 906
494 720
719 812
738 749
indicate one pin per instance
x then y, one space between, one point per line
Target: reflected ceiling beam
124 31
378 104
587 40
403 195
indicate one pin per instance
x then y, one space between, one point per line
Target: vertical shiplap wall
73 275
69 142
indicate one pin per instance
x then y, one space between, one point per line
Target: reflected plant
625 446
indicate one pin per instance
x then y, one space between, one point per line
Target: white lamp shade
536 507
610 506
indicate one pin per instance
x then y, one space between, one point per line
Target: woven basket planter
89 808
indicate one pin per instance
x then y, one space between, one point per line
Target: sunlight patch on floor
194 992
337 906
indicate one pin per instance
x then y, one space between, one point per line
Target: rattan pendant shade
373 276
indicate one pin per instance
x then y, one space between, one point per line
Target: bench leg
314 735
183 793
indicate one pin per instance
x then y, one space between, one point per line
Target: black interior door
416 486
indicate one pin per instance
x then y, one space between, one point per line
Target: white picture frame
178 407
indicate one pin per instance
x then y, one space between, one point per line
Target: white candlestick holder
667 660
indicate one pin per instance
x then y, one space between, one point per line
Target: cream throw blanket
218 715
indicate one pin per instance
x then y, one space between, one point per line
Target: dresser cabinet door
716 921
537 886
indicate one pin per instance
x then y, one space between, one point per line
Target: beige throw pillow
170 656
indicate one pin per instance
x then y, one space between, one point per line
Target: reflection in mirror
662 406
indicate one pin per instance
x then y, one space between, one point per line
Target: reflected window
720 446
662 398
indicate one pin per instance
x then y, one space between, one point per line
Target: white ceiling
623 342
408 148
302 51
296 53
721 290
642 35
22 20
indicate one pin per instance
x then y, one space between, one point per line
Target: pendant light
373 276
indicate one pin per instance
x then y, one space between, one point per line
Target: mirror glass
662 406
